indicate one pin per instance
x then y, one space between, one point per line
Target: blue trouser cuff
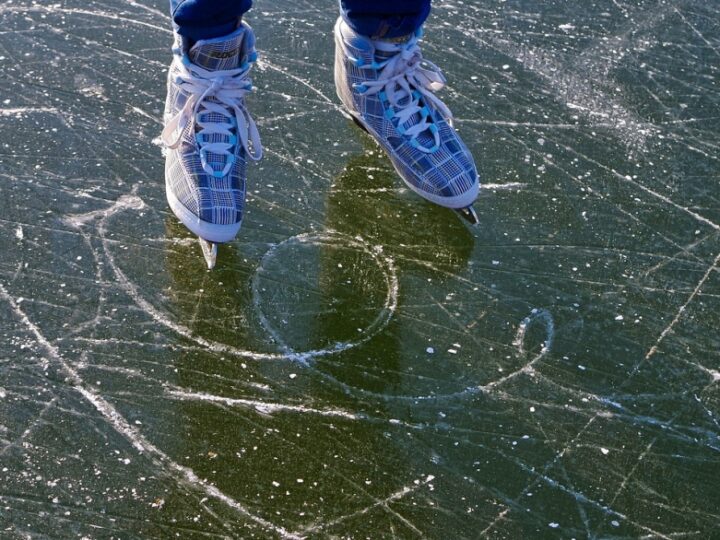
207 19
385 19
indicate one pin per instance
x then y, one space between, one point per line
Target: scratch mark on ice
263 407
677 318
396 496
19 111
131 434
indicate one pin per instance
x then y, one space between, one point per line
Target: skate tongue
226 52
424 138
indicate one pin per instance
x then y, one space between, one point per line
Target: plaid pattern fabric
214 200
444 175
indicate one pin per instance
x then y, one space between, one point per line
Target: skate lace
222 93
407 82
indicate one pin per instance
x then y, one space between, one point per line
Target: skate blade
209 251
468 214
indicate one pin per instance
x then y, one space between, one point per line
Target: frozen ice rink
361 363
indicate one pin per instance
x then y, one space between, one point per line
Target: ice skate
209 136
388 89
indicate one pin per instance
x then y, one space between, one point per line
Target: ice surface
361 363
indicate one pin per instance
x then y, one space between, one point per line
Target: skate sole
211 232
460 203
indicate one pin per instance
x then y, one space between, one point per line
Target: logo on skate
222 55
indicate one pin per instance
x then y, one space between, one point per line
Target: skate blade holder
469 214
209 251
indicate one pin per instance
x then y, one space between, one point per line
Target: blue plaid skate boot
387 87
209 136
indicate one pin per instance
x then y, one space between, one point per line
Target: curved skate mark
287 353
381 321
536 316
331 238
540 315
125 202
134 202
118 422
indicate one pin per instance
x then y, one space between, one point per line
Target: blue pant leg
385 18
207 19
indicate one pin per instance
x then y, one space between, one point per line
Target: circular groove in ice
376 326
331 238
133 202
